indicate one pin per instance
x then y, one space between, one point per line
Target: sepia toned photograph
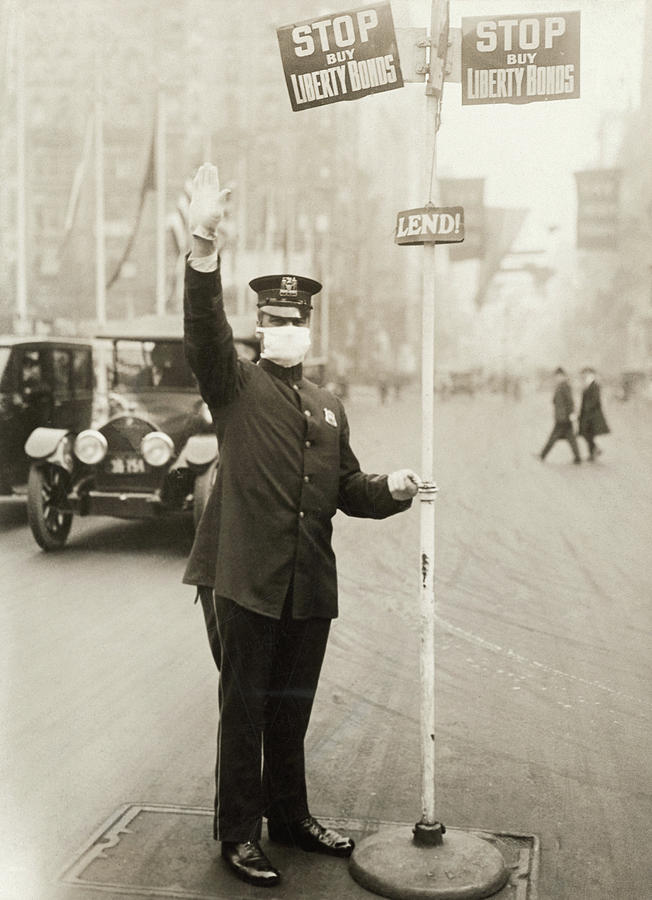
270 269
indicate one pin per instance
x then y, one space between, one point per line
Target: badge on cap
288 286
329 415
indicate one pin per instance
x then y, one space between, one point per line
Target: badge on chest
329 417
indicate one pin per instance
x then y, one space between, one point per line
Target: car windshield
5 353
150 366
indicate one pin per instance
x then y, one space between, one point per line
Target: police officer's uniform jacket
285 467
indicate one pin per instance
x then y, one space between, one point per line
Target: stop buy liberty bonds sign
520 58
340 56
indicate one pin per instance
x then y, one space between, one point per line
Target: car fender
51 444
198 452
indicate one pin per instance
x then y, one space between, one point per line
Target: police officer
262 556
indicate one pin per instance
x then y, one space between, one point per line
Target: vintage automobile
156 451
44 382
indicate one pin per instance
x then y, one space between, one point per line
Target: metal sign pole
427 494
428 830
419 862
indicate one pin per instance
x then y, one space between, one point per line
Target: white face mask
285 345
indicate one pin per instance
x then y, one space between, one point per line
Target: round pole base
462 867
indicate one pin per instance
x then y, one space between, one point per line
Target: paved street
544 659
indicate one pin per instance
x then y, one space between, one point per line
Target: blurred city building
609 322
314 191
627 302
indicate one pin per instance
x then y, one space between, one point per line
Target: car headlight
157 448
90 447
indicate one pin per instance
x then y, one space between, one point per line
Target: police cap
285 295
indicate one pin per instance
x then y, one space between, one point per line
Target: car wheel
201 492
47 493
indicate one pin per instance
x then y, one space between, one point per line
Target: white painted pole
21 178
419 862
427 494
100 249
160 202
428 829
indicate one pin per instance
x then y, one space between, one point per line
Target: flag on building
598 192
178 222
468 193
76 187
148 184
178 226
502 228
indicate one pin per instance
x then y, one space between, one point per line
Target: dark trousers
269 670
562 431
590 443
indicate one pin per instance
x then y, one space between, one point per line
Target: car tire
47 491
201 491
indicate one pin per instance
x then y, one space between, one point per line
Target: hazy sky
528 153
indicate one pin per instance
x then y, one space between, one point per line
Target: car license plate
126 464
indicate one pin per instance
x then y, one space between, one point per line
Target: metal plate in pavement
168 852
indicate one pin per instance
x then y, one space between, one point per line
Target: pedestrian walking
591 419
564 407
262 557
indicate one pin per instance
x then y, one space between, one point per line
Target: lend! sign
341 56
520 58
432 225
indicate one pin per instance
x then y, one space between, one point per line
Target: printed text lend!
430 225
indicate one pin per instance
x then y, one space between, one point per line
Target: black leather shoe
308 834
249 863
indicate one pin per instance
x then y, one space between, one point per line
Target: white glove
403 484
207 203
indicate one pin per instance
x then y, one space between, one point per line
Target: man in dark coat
562 400
591 420
262 558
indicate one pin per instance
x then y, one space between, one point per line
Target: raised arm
208 338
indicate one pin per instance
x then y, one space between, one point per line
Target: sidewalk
167 852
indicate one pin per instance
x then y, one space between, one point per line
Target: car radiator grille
123 468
